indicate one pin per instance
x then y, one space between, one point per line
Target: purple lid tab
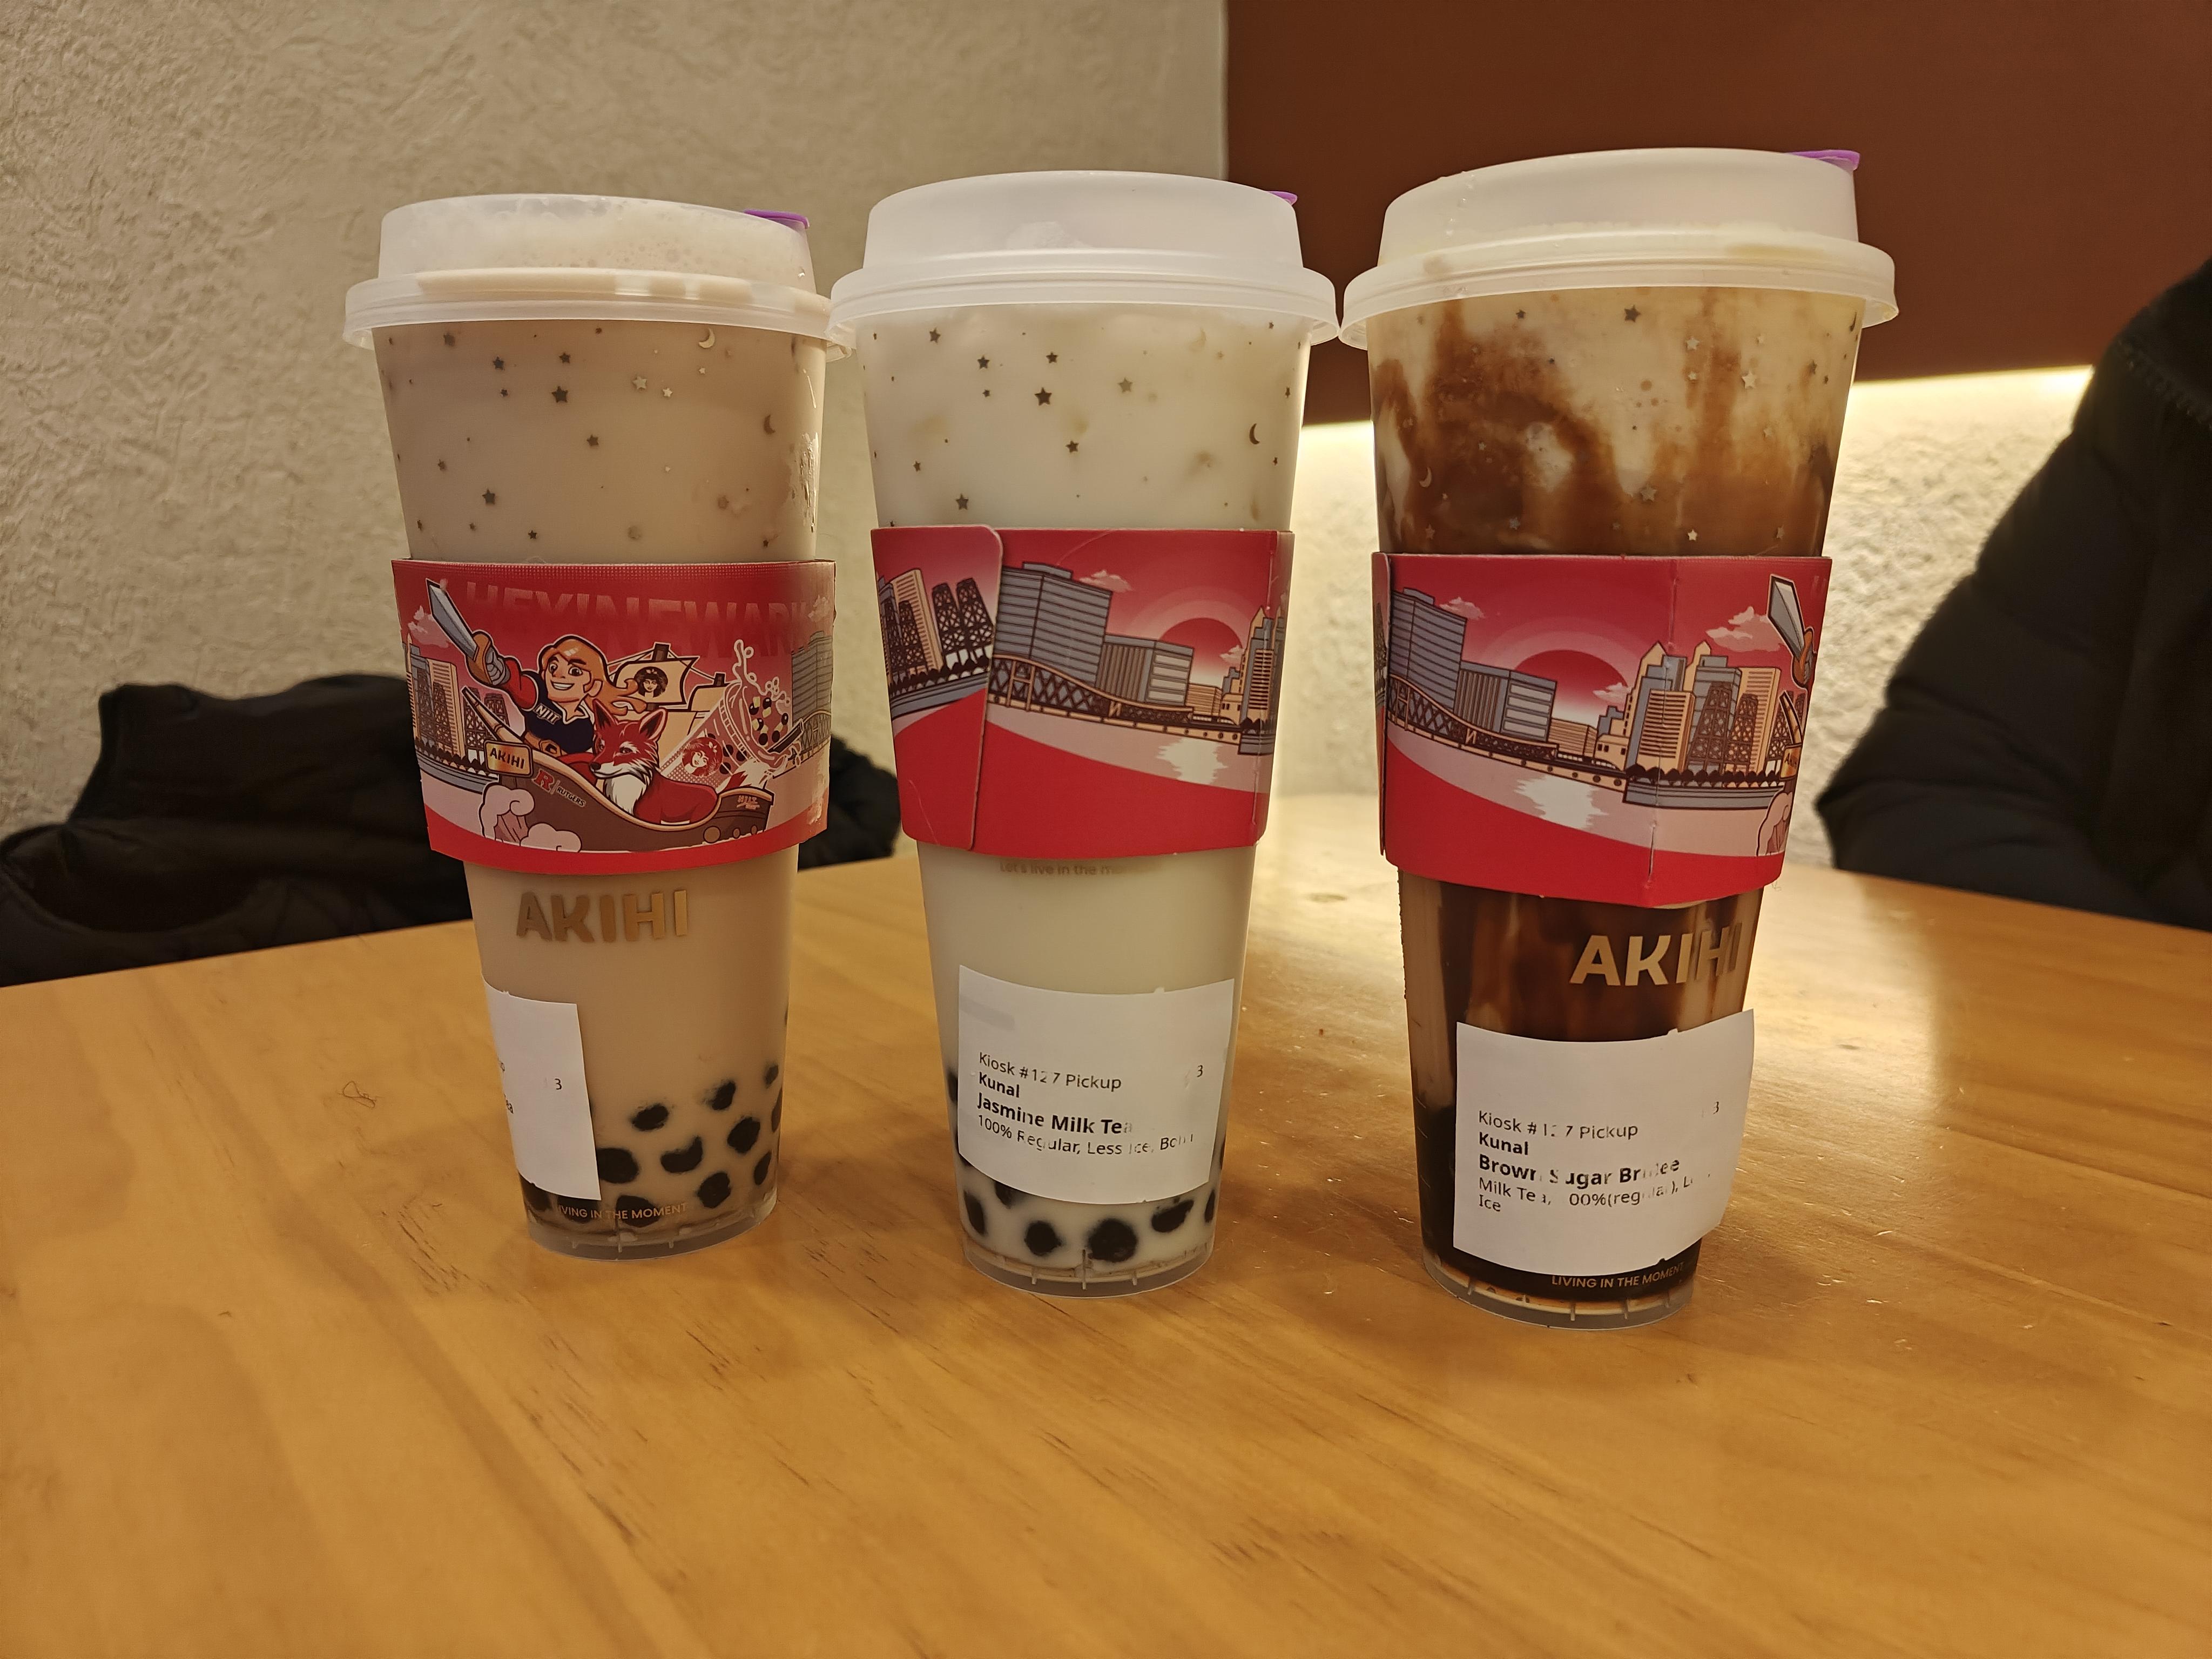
796 221
1848 159
1286 195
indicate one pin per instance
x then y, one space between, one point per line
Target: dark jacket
212 824
2049 734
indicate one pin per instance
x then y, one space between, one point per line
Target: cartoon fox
625 757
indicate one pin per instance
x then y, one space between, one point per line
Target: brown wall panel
2039 170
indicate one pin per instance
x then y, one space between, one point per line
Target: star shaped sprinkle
668 392
564 356
442 466
1125 385
1044 397
1052 357
560 394
638 381
982 362
1648 493
960 501
1071 445
594 440
1750 380
499 363
533 535
449 339
932 337
1690 345
1630 314
917 466
490 499
1694 535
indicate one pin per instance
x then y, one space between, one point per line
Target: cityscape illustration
1050 651
1692 731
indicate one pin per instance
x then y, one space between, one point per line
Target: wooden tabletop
281 1374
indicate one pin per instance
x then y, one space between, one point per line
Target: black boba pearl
760 1170
1112 1240
649 1119
535 1195
1042 1238
684 1159
1210 1198
1008 1195
743 1133
724 1092
617 1165
714 1190
637 1212
1167 1220
952 1085
769 1077
775 1112
978 1221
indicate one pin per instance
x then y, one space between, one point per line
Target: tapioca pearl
714 1190
761 1168
743 1133
617 1165
1210 1199
684 1159
978 1219
775 1112
1041 1238
718 1099
1167 1220
769 1077
636 1210
650 1118
535 1195
1112 1240
1008 1195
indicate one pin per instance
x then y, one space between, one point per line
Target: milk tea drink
1640 353
1085 350
581 381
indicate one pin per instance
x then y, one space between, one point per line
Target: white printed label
541 1069
1597 1157
1098 1099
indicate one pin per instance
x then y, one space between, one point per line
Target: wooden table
280 1374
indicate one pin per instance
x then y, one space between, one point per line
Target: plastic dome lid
1084 239
482 258
1626 218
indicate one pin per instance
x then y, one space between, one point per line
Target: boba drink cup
593 380
1085 350
1644 353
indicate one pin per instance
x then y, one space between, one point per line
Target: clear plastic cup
594 380
1085 350
1640 353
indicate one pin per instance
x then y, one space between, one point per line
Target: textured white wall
194 483
1927 467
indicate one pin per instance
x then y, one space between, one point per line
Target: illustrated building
1657 673
1426 642
1577 739
437 693
1263 657
1203 699
1506 701
1661 738
1762 688
907 591
809 679
1145 670
1048 616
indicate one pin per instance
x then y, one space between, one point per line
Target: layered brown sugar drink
589 382
1645 354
